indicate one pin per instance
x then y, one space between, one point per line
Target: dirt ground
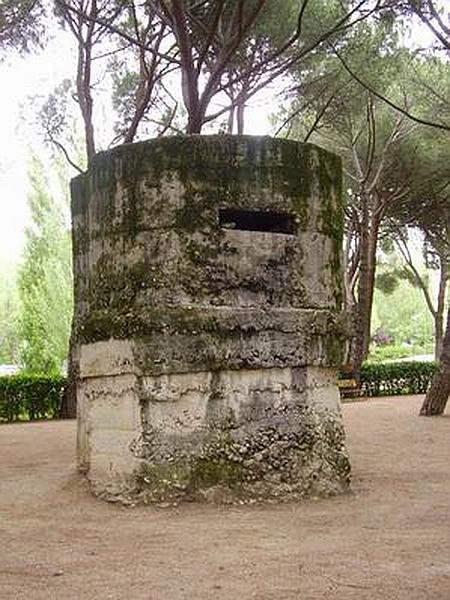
389 539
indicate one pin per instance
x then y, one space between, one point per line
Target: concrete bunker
207 318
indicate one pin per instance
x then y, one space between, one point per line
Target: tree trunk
240 119
439 313
438 335
68 409
359 346
369 285
84 95
437 396
230 124
195 122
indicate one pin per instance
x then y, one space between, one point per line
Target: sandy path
389 540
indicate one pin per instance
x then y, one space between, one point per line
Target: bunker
208 320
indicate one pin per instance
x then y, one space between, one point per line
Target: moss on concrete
268 464
153 266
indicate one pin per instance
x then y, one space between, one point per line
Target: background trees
210 57
346 118
390 161
21 25
237 48
432 14
437 260
45 280
9 336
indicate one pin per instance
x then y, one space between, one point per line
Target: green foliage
403 315
392 271
125 85
45 281
59 123
22 25
9 337
395 379
30 396
387 281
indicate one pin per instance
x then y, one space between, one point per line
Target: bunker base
226 436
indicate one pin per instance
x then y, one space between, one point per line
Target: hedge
396 378
30 397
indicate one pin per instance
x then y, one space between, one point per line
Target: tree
437 396
45 280
214 37
438 261
428 208
22 25
388 159
400 315
219 47
337 113
9 336
439 391
434 216
431 14
88 33
102 30
138 75
422 160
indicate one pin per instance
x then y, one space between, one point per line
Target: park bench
349 387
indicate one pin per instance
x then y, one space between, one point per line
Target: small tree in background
9 335
45 280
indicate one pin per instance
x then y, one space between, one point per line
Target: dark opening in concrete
255 220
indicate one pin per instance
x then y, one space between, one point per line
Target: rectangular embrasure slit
257 220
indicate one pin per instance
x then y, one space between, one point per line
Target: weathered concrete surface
208 346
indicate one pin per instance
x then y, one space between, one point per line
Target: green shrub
29 396
396 378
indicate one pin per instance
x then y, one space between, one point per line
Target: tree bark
83 82
370 284
438 335
195 122
240 119
359 346
68 409
439 313
230 124
437 396
357 343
